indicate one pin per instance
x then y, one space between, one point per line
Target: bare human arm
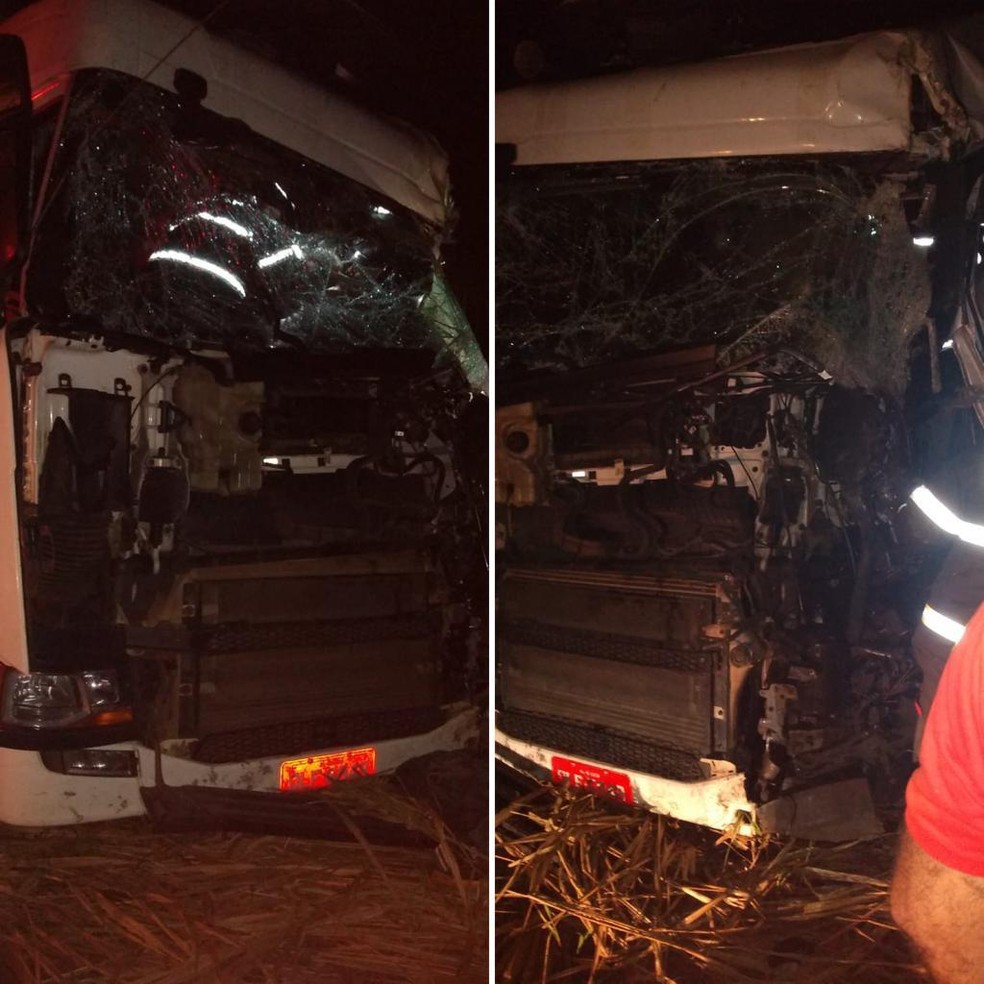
942 911
938 890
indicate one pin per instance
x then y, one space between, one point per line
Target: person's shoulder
945 795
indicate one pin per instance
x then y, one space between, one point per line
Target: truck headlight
62 700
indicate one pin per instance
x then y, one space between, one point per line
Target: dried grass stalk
118 902
587 892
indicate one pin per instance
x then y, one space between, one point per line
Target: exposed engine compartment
275 550
700 575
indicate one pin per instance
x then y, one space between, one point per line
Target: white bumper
31 796
719 803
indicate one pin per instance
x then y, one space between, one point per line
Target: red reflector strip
593 778
320 771
39 94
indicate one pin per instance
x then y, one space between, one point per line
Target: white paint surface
845 96
719 803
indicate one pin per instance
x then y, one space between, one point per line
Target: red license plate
580 775
319 771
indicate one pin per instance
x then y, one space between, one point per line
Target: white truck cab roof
149 41
850 95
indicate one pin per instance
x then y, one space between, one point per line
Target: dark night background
425 61
540 40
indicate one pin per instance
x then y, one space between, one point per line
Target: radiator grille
604 645
692 586
619 750
294 737
71 547
622 660
297 635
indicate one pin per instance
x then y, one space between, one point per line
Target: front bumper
837 810
32 796
719 803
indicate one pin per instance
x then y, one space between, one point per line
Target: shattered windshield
604 262
170 222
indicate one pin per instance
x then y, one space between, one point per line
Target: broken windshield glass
600 263
169 222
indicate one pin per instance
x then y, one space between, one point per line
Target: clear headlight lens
91 762
102 690
61 700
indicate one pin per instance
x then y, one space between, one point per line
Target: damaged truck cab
723 293
243 545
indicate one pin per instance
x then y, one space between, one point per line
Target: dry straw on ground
117 902
591 893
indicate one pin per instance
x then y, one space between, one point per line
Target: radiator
628 668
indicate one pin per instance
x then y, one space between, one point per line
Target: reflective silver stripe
942 625
945 518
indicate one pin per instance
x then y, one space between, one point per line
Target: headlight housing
42 701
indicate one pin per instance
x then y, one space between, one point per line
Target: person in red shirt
937 891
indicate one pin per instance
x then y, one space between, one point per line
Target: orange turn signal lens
121 715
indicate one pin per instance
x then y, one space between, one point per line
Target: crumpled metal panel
836 811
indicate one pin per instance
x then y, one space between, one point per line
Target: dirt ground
120 902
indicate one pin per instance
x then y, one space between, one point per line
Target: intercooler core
258 675
630 669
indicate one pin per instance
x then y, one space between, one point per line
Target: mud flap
837 811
